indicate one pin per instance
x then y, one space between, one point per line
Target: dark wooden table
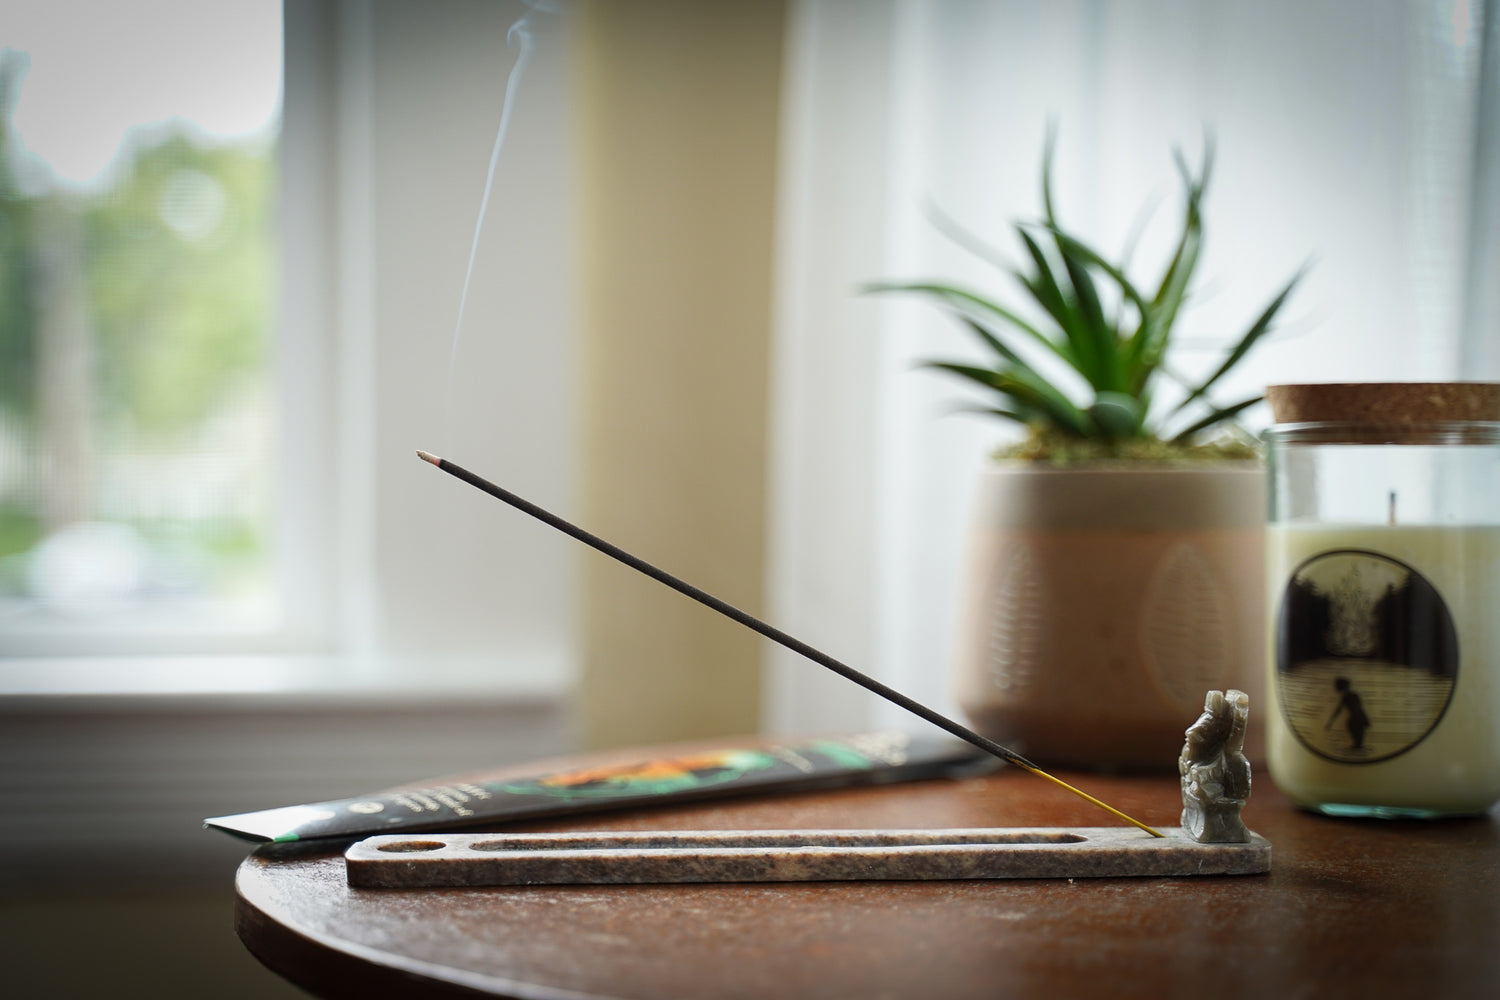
1350 909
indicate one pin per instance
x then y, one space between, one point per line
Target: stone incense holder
1211 841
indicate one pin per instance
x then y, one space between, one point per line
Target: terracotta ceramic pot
1104 602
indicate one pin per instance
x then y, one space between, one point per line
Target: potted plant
1116 565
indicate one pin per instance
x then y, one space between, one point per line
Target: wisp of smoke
520 38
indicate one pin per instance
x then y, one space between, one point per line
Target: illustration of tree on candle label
1366 656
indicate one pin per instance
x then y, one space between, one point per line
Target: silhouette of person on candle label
1351 705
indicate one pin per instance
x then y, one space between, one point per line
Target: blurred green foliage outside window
136 388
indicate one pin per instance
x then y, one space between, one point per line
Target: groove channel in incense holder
487 859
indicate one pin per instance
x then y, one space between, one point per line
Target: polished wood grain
1350 908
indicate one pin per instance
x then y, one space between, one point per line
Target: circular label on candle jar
1366 656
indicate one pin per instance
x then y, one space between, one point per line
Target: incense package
864 758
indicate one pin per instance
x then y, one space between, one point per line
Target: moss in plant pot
1044 444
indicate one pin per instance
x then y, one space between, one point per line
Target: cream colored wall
680 103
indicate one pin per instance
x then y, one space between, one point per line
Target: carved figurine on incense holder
1215 772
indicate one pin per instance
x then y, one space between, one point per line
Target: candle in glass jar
1384 603
1386 666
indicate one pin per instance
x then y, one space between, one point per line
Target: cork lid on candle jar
1385 404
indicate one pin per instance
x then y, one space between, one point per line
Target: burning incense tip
429 458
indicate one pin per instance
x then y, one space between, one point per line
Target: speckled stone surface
790 856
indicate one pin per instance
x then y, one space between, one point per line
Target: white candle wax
1374 704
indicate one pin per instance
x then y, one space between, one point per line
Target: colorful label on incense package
865 758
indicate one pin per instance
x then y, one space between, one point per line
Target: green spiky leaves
1103 327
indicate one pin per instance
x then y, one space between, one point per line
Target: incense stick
770 632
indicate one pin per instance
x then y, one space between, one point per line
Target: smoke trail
519 37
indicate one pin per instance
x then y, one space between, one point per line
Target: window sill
280 679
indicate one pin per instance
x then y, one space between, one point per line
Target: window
138 190
275 531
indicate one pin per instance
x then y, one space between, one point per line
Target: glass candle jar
1384 598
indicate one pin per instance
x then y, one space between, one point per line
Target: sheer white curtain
1356 135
